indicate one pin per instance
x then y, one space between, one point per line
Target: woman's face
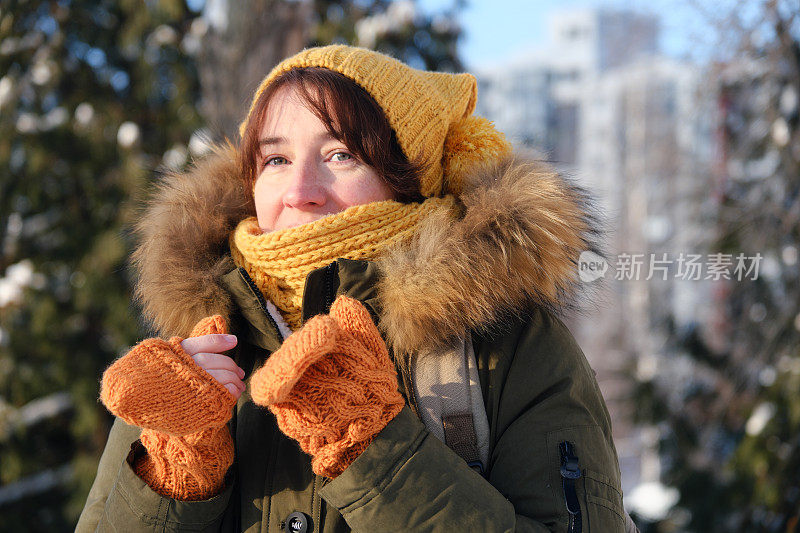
304 173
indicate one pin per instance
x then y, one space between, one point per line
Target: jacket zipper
263 304
260 297
330 289
331 272
570 472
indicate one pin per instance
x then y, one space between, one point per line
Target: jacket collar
516 243
356 279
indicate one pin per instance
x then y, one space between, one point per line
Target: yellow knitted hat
430 112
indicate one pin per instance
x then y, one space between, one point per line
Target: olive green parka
500 271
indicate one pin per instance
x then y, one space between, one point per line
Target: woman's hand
332 386
206 350
181 392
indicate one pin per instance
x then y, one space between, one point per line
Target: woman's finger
217 361
226 377
234 390
213 343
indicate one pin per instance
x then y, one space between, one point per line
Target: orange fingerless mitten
183 413
331 386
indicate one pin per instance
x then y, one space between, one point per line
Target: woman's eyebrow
271 140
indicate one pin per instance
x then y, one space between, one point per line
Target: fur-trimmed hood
517 241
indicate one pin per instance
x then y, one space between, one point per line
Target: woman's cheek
268 204
364 188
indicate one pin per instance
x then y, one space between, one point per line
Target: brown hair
351 115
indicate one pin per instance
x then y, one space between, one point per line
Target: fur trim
516 242
183 242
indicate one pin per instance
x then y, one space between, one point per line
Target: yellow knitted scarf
279 261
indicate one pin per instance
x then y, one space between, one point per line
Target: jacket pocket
603 503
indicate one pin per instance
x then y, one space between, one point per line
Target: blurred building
645 146
536 99
605 106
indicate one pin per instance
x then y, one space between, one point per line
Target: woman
363 192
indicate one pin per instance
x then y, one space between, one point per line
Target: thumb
209 325
273 382
353 317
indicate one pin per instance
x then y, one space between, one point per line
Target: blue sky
498 29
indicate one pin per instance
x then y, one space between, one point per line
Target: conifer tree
97 98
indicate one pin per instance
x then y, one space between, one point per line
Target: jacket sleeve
541 392
120 501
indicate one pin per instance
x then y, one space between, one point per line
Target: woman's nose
305 189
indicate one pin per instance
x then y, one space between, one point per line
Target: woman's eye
341 156
275 161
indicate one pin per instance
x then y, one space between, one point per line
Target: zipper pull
570 471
